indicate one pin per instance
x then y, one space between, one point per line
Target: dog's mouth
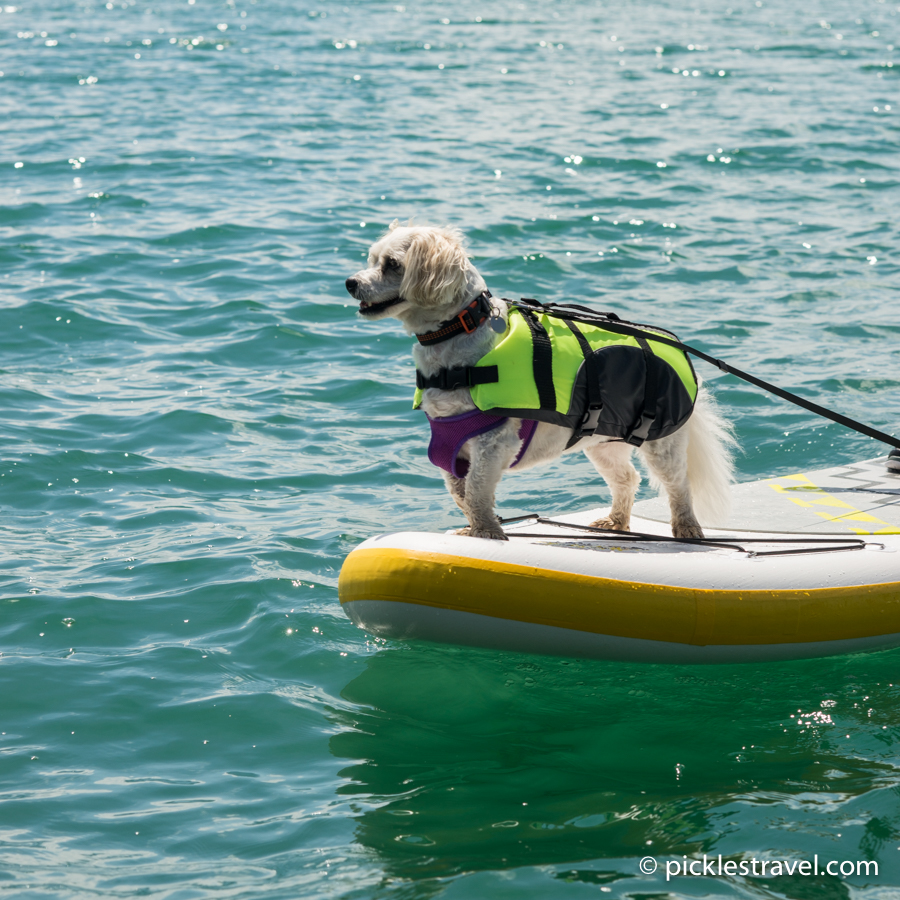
370 309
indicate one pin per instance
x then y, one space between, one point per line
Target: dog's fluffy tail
709 460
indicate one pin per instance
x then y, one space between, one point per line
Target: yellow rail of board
697 616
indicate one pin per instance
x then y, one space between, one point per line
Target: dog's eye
391 264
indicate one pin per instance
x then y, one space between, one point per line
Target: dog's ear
434 268
394 224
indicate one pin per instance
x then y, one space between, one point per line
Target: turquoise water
196 429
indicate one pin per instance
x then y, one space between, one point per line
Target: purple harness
450 433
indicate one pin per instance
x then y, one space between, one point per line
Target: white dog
423 277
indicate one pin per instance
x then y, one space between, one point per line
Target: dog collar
474 315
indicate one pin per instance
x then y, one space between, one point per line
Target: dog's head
412 270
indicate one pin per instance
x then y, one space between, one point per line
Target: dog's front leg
457 488
489 456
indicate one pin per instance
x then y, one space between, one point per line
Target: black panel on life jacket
619 376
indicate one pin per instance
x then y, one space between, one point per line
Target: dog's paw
493 534
611 525
687 530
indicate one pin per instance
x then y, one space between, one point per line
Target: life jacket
580 376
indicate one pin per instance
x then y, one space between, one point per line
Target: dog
422 276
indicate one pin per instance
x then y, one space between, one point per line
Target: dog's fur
423 277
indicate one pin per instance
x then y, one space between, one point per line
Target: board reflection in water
470 760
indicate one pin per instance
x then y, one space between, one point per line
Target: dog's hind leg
612 459
667 461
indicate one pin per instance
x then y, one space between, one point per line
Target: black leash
611 322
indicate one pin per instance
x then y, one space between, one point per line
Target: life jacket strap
473 316
641 429
542 360
458 377
592 382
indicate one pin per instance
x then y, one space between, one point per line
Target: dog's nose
352 285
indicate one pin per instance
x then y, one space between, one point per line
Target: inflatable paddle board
808 565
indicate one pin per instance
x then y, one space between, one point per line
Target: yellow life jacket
581 376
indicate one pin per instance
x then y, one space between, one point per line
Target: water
196 430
